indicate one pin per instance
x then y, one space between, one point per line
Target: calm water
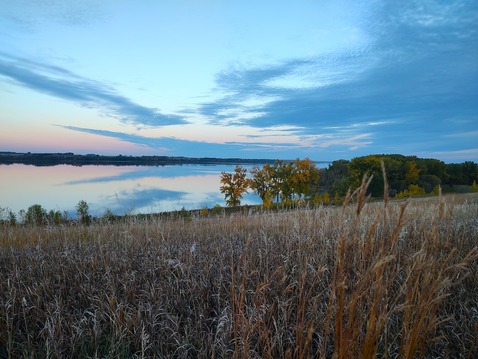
128 189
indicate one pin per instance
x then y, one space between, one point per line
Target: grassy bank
363 280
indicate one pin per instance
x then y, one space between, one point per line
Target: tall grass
366 280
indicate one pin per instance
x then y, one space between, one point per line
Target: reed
365 280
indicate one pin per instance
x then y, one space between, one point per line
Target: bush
217 210
474 186
413 190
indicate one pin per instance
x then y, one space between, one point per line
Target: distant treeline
51 159
405 174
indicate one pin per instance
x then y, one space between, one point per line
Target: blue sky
275 79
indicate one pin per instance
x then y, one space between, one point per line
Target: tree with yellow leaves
304 174
234 185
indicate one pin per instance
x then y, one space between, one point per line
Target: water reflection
125 189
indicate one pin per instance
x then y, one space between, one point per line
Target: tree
284 180
82 209
54 217
234 185
261 183
282 186
36 214
335 178
413 172
435 167
429 182
304 173
470 172
371 165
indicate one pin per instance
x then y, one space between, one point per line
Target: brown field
367 280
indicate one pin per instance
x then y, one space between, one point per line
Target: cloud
137 199
470 154
61 83
405 87
417 68
252 146
170 145
142 172
468 134
131 138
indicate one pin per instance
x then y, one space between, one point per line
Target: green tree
435 167
234 185
470 172
335 178
282 173
455 174
36 215
82 212
12 218
54 217
429 182
359 166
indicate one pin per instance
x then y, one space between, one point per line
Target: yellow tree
304 174
413 172
234 185
261 183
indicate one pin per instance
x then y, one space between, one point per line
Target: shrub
474 186
412 191
217 210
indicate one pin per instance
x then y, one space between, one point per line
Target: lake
121 189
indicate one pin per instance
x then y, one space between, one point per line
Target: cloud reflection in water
121 189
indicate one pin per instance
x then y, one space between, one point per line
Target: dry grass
391 280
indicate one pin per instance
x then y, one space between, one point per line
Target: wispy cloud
407 86
167 145
271 145
139 198
61 83
468 154
468 134
419 69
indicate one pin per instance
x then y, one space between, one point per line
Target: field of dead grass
366 280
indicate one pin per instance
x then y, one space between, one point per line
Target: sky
323 79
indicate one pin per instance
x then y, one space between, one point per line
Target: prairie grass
366 280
